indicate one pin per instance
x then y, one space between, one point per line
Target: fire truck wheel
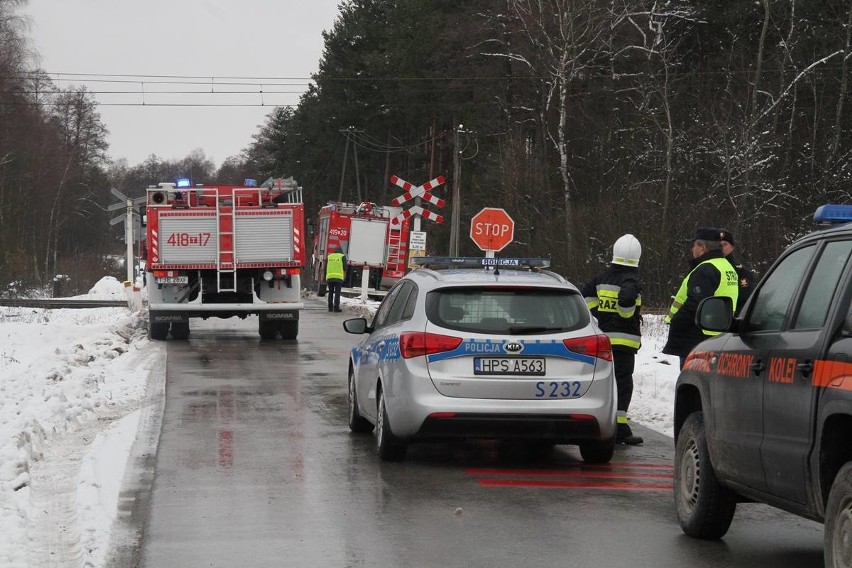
267 329
180 330
158 331
289 329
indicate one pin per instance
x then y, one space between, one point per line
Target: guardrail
59 303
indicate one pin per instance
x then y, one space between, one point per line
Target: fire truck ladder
393 260
226 263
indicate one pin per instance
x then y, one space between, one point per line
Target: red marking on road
575 485
226 448
623 476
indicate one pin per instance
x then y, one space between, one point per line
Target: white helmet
626 251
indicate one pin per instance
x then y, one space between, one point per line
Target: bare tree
565 41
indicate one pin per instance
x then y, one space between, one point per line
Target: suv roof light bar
479 262
831 214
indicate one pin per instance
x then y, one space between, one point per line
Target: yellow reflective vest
334 266
728 286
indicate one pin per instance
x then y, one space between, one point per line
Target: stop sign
492 229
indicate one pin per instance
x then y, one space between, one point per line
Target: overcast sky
190 46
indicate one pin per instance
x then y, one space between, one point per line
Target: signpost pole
128 226
365 283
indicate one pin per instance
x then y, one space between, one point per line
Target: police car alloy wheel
357 423
389 446
705 508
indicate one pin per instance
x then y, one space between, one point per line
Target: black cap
708 234
727 236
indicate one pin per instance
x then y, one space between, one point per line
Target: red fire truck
352 228
224 251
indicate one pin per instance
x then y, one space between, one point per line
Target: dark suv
764 412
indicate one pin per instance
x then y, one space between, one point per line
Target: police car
764 412
483 348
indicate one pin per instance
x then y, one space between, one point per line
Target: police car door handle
805 367
758 366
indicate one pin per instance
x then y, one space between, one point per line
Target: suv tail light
417 343
593 345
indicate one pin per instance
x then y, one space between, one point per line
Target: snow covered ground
72 383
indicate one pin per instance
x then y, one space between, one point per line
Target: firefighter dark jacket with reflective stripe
712 275
615 298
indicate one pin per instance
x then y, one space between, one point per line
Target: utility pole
350 133
455 216
343 173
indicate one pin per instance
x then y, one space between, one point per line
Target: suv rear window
515 311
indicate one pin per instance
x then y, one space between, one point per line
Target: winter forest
584 119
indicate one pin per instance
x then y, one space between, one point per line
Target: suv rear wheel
704 507
838 520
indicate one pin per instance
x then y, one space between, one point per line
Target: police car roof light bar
435 262
832 213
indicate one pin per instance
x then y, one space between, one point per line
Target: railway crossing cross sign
422 191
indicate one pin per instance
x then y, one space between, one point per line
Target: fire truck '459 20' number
188 239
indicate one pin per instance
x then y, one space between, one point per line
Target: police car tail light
593 345
418 343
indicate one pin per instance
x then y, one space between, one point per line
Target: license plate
532 366
172 280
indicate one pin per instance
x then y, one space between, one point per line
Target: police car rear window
507 311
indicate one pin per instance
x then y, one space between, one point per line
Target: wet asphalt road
255 466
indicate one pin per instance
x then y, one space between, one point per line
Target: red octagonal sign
492 229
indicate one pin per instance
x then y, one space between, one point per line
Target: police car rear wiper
528 330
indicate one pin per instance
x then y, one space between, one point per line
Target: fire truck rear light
268 275
293 271
165 273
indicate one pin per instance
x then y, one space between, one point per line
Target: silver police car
493 348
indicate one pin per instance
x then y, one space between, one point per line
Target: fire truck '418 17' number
188 239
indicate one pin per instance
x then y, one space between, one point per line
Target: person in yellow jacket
711 275
335 272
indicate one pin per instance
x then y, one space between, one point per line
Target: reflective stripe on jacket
615 299
334 266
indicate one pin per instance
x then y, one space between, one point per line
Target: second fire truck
351 227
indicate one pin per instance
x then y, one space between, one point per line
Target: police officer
614 297
745 277
711 275
335 272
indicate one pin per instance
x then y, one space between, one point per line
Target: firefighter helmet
626 251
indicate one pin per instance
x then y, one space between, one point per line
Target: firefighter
614 298
335 273
711 275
